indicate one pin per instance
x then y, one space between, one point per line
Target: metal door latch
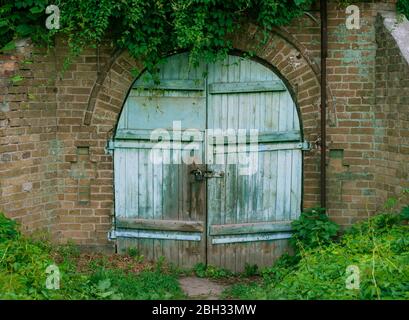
212 174
199 175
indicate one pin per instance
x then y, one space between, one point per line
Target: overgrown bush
8 228
150 285
312 229
147 29
377 247
23 264
403 7
209 271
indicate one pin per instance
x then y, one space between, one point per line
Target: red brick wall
28 149
391 153
56 174
351 61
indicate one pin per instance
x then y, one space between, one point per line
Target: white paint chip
398 26
27 186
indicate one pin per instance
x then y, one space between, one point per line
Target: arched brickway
281 52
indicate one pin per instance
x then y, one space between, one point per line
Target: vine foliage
403 7
146 28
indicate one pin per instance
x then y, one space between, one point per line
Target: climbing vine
403 7
147 28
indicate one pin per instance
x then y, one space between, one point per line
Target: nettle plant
148 29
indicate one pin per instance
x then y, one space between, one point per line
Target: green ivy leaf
23 30
36 10
16 79
405 213
9 46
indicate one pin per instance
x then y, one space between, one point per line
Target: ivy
22 18
148 29
403 7
313 229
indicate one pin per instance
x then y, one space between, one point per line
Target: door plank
156 224
157 192
252 205
254 227
120 182
131 181
246 87
174 85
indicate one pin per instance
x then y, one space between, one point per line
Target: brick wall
28 149
55 173
392 113
351 61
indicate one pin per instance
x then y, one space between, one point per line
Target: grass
23 264
379 248
147 285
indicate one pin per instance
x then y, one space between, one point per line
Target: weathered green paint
336 153
238 239
273 193
248 216
122 134
354 176
147 191
156 224
156 235
247 228
182 84
246 87
284 136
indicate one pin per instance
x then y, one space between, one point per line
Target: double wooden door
207 164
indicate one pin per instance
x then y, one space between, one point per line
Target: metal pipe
324 54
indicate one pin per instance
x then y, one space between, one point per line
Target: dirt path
201 289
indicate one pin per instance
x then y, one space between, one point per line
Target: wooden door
159 208
234 214
249 212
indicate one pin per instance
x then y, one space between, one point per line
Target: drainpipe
324 54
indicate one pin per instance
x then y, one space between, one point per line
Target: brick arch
281 52
290 60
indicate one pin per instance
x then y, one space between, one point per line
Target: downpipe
324 55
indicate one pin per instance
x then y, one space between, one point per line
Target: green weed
23 262
378 247
203 271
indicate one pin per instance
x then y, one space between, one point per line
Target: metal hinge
111 235
305 146
110 147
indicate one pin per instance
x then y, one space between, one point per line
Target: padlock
198 174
